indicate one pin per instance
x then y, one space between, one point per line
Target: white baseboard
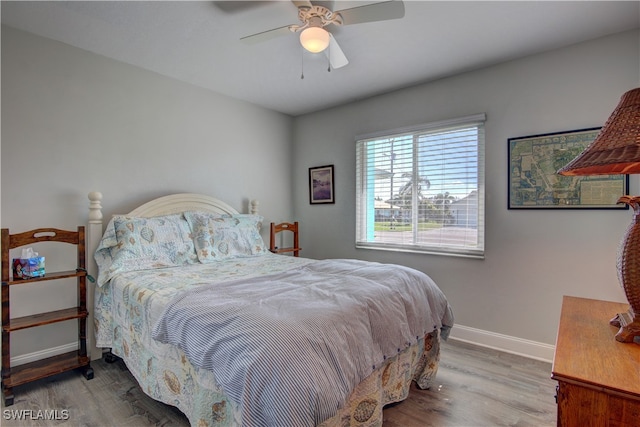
506 343
43 354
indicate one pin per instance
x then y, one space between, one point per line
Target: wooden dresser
598 377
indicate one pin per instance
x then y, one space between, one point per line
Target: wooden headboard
173 203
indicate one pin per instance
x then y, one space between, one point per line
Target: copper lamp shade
616 150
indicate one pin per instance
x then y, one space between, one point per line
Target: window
421 189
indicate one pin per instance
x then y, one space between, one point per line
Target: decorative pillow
103 255
131 244
219 237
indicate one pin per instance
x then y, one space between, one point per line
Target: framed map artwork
535 184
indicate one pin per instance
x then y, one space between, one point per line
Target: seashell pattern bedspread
129 306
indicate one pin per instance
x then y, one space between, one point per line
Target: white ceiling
199 42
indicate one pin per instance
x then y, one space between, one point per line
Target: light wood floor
474 387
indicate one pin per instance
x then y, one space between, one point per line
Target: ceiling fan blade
373 12
337 59
302 3
232 6
266 35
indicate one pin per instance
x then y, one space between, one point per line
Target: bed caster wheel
110 357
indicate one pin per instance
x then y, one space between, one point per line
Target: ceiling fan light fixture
314 39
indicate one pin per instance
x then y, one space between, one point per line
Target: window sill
418 250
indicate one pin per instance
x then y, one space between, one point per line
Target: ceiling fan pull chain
329 58
302 65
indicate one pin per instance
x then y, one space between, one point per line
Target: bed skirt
175 381
390 384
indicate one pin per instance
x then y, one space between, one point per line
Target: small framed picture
321 187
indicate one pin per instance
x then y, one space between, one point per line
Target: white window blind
421 189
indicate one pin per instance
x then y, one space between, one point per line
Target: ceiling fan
314 18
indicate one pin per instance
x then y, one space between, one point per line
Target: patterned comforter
289 348
132 304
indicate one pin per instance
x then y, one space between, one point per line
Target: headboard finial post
93 236
253 209
95 206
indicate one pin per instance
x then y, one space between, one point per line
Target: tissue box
26 268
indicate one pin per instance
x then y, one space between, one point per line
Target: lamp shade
314 39
616 149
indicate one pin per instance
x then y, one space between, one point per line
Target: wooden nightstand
598 377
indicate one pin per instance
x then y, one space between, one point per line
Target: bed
209 321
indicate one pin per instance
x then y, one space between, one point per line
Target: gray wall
533 258
74 122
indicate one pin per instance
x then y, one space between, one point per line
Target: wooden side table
598 377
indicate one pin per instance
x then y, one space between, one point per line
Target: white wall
74 122
533 258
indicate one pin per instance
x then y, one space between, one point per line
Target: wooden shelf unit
13 376
598 377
